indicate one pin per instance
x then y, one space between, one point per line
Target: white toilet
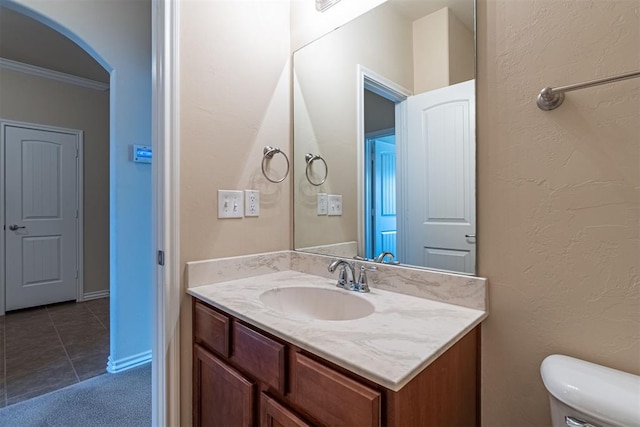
584 394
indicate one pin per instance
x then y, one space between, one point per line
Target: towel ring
310 158
269 152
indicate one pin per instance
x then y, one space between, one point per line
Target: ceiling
26 40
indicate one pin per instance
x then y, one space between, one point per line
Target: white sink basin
317 303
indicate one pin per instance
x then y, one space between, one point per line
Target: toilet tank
583 392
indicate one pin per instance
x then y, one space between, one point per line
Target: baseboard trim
95 295
115 366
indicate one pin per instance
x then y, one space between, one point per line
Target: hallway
47 348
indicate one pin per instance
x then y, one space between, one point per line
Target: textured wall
43 101
558 196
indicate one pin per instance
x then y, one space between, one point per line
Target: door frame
380 85
79 202
166 360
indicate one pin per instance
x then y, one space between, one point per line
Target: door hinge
77 153
77 274
160 257
77 214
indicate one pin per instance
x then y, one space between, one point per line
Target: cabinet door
273 414
221 396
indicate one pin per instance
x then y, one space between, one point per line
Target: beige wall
443 51
431 51
558 229
235 89
461 51
325 114
43 101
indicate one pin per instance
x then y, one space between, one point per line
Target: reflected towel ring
269 152
310 158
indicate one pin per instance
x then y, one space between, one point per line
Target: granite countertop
389 347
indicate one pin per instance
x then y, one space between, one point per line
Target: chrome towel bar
551 98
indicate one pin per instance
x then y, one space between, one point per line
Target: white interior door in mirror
41 217
440 195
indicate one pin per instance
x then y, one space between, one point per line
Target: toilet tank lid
610 395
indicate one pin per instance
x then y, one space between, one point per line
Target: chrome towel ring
269 152
310 158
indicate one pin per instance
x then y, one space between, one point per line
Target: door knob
14 227
469 235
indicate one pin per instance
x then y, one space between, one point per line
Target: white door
441 178
41 215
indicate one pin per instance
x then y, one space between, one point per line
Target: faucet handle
363 285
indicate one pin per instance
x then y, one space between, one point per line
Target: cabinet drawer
211 329
259 356
332 398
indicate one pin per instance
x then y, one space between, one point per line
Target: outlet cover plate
335 204
251 203
230 204
322 204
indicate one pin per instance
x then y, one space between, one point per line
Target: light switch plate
230 204
251 203
335 204
322 204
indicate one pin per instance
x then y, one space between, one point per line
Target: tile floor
46 348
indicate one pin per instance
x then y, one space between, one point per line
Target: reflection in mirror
388 101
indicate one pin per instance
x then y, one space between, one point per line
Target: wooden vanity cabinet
245 377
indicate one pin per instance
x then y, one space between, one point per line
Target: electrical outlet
230 204
322 204
251 203
335 204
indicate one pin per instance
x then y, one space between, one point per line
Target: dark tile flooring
46 348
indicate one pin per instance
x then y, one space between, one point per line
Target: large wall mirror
384 137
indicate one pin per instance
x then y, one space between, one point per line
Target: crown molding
33 70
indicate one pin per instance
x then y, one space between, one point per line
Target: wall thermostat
141 153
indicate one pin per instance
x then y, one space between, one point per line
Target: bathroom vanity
411 362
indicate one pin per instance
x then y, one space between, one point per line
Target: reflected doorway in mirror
380 191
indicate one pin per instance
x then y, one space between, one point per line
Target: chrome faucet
347 276
382 256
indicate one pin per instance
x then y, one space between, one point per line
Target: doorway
381 135
380 192
127 117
